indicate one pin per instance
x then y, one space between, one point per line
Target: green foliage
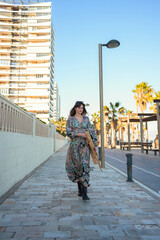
62 133
143 95
60 125
41 120
153 107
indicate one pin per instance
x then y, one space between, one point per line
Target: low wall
23 146
59 143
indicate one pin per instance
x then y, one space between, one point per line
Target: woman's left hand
95 148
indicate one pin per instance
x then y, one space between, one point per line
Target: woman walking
77 161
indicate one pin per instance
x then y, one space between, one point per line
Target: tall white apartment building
27 55
57 103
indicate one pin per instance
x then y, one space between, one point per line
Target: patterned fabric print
78 155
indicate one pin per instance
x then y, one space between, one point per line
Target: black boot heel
84 194
80 190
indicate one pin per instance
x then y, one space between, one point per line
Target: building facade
57 103
27 56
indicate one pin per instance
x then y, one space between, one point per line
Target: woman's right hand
81 135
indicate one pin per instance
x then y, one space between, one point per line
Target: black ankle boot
79 189
84 194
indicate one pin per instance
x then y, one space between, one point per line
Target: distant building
57 103
27 56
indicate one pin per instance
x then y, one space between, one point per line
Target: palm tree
115 110
143 95
153 107
60 125
96 120
107 125
110 122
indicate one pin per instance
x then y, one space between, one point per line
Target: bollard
99 153
129 167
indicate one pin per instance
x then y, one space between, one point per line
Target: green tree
143 95
96 120
110 122
107 125
153 107
115 110
60 125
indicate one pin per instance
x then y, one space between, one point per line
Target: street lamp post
110 44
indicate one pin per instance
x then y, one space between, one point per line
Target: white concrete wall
59 143
20 154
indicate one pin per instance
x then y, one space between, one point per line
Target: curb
136 181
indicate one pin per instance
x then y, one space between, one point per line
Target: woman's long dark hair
78 104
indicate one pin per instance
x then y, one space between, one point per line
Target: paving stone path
46 207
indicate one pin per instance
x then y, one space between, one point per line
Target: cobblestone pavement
46 207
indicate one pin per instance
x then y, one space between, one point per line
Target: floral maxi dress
78 155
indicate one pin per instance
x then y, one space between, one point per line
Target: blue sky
80 25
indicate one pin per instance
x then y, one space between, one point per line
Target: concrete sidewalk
46 207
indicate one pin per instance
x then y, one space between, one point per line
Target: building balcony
5 57
2 30
4 79
40 107
47 24
31 66
19 45
4 50
21 86
5 72
4 66
2 23
19 37
6 18
47 17
43 116
5 44
38 37
23 94
38 59
34 79
29 101
42 30
19 31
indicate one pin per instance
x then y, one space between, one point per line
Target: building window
4 62
40 83
43 21
31 8
42 14
41 54
14 63
39 75
4 91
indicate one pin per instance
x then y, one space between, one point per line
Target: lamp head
112 44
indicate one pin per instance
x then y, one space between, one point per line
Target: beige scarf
92 150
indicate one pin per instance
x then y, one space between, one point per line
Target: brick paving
46 207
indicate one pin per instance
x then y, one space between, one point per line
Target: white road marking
134 166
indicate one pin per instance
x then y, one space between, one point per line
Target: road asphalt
145 168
